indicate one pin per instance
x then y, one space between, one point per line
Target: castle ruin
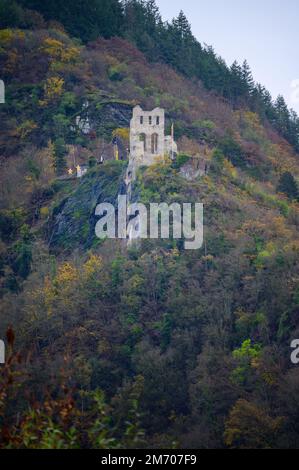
148 142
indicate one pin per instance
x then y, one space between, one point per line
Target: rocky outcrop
103 117
73 220
195 167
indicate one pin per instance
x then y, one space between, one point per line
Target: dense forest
150 345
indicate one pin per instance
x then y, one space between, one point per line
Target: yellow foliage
67 274
252 119
12 59
250 426
230 169
279 227
208 181
281 159
44 212
7 35
269 378
252 123
50 151
292 246
63 289
175 252
92 265
122 132
59 51
208 258
53 88
135 283
26 128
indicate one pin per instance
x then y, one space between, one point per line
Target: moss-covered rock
73 220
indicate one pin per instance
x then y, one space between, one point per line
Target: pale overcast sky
265 32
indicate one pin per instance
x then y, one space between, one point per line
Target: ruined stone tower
148 143
147 137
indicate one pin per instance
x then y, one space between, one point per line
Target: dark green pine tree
59 156
182 45
263 102
153 13
293 136
237 84
247 78
10 14
182 27
86 20
282 115
288 185
142 26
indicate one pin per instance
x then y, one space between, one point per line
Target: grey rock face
108 116
73 221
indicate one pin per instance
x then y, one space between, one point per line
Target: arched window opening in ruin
157 120
154 141
150 120
141 119
142 138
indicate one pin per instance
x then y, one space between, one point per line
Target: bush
117 73
181 160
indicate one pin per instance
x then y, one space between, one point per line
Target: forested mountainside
150 345
140 22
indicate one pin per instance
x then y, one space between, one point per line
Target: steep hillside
171 43
151 345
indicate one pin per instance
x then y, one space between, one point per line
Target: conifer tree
236 85
182 26
287 185
86 20
59 156
247 77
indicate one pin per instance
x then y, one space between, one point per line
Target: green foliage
180 160
217 161
232 151
22 253
245 356
10 14
206 124
92 162
10 222
117 72
86 21
247 351
59 156
288 185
